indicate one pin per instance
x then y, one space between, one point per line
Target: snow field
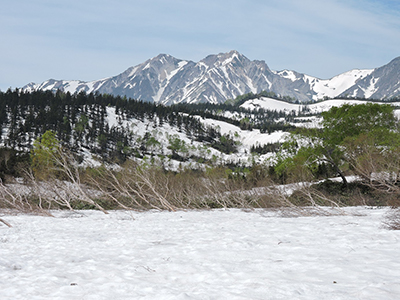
215 254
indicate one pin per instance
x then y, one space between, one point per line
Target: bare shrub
132 187
14 197
140 187
137 186
378 167
62 188
392 219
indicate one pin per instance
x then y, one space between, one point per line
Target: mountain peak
163 55
215 60
397 59
234 53
164 58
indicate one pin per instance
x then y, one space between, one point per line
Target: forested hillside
83 121
114 128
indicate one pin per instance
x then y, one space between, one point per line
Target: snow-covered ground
216 254
246 137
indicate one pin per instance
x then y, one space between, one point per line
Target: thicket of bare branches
378 167
63 184
141 187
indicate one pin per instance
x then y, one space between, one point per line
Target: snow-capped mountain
321 88
168 80
381 83
165 79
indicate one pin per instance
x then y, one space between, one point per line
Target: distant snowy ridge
217 78
382 83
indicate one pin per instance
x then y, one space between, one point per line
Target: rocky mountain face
168 80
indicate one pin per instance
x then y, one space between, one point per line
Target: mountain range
167 80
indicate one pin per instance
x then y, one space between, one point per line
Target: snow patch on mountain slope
251 85
371 89
268 81
231 58
167 79
133 72
72 86
287 74
93 85
157 97
171 74
336 85
147 66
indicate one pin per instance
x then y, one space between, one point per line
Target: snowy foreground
219 254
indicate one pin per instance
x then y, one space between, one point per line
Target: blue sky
89 40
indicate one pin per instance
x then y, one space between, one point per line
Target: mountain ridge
167 80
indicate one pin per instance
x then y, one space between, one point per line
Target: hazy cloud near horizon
89 40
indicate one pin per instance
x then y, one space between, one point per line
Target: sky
90 40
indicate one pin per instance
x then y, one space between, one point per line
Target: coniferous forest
81 122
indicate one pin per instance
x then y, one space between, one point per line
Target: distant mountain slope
382 83
168 80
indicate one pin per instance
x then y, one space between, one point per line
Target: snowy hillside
212 254
245 138
313 108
